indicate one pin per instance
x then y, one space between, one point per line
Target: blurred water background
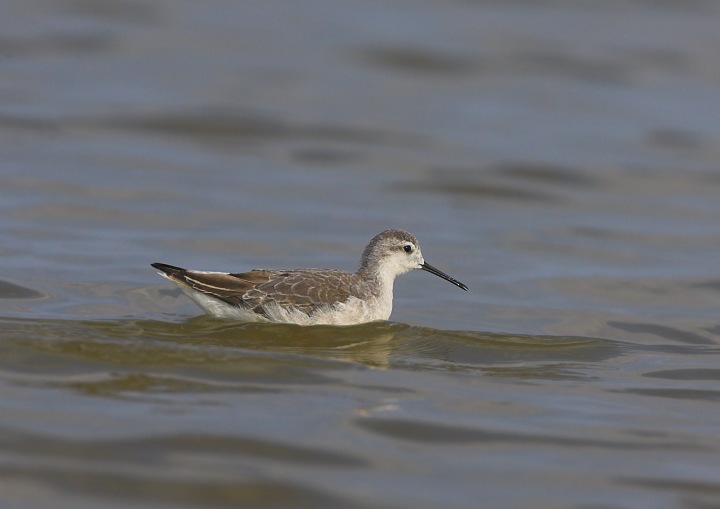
561 158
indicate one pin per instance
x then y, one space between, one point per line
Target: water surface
560 159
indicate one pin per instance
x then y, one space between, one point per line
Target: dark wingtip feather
167 269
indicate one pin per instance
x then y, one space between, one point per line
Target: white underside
351 312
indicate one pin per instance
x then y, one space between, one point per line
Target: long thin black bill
426 266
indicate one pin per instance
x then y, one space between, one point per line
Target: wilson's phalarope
309 296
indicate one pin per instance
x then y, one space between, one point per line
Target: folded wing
304 290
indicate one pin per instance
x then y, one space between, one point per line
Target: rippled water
559 158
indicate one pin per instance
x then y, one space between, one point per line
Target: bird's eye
408 248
